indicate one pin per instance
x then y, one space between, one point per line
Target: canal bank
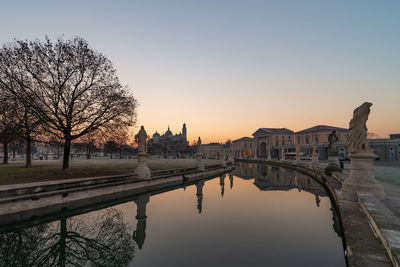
370 230
25 203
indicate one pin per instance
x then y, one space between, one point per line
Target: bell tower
184 131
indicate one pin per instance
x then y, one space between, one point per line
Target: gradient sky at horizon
227 68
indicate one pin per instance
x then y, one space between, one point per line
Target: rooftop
322 128
263 131
243 139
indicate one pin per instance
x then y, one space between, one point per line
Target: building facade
273 139
243 147
169 144
276 139
212 150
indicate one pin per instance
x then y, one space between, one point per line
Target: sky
227 68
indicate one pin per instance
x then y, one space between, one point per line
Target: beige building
243 147
320 135
273 139
277 138
211 150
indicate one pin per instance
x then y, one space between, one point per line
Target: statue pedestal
333 161
297 157
142 171
314 159
361 177
283 155
200 163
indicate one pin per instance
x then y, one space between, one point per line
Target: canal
257 216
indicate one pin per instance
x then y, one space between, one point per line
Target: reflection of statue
199 194
140 139
333 139
222 184
317 200
358 130
231 179
139 235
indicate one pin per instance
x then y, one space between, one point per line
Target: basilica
168 143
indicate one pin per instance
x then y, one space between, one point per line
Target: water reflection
222 184
270 203
102 241
139 235
269 178
199 194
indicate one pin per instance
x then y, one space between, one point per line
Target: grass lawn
46 170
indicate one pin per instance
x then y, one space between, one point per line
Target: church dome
168 132
156 134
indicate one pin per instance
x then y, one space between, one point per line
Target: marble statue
361 177
141 139
333 139
358 130
142 170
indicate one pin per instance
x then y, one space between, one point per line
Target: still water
257 216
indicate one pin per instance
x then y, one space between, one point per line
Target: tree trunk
67 152
28 163
62 242
58 149
5 150
13 151
89 151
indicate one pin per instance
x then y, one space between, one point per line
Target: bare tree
6 122
71 88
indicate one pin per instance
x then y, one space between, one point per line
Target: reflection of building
243 147
267 178
245 170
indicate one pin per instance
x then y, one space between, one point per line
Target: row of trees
62 89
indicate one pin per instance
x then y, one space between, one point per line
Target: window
276 141
289 140
283 140
299 139
316 138
307 139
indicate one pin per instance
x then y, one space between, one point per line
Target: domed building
169 143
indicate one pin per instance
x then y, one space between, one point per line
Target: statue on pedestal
198 145
142 170
333 156
358 130
361 177
222 156
141 139
333 139
200 163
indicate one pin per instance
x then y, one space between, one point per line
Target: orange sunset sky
227 68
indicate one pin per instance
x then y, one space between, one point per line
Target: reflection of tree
16 247
103 242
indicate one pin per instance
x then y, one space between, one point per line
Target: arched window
307 139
